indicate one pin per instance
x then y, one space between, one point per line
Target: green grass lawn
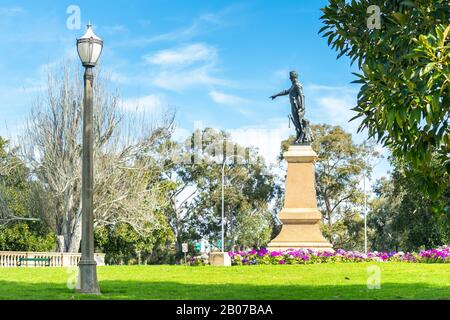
319 281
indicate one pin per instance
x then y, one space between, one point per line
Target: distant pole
365 214
223 197
364 172
223 206
185 249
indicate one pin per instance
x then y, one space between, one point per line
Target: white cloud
176 69
198 26
241 105
267 138
150 103
337 110
334 107
181 134
177 35
184 67
203 24
281 74
118 77
226 99
186 55
332 104
179 80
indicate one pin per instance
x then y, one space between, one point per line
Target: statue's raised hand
272 97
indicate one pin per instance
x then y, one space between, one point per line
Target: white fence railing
57 259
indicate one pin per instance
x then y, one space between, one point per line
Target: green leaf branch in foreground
404 73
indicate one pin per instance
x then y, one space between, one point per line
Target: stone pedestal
300 216
219 259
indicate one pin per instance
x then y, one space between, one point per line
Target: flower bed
307 256
202 260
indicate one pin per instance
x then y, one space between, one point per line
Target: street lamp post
364 174
365 213
223 205
89 49
223 197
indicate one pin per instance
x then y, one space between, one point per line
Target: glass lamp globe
89 48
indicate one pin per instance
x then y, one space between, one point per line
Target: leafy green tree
123 245
404 218
196 176
253 229
338 175
178 178
19 230
405 75
26 236
14 186
383 235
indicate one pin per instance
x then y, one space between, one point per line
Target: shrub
20 237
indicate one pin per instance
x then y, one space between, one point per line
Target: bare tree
123 161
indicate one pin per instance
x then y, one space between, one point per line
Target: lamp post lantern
89 49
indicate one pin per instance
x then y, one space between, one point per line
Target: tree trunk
75 239
329 213
72 236
60 244
328 208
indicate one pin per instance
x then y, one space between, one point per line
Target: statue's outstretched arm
282 93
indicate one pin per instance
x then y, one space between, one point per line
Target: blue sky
216 62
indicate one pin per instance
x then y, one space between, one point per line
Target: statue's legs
300 122
297 123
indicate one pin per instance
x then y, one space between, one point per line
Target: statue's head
293 75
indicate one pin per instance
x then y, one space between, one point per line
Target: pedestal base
300 230
300 216
88 282
219 259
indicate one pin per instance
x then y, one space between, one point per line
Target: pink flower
275 254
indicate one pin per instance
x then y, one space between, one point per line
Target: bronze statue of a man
297 99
